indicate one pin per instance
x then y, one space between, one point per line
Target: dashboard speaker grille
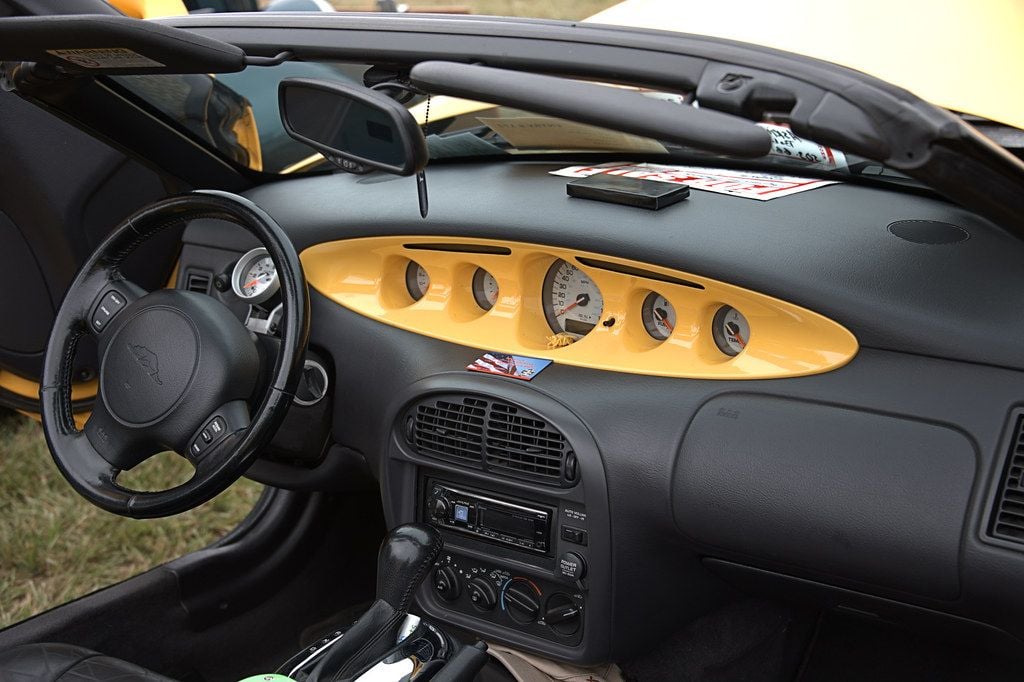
1008 513
494 436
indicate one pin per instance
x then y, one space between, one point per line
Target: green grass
55 546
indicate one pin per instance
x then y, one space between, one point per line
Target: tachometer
730 330
417 281
254 279
659 316
485 289
572 302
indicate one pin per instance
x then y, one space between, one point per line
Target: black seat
68 663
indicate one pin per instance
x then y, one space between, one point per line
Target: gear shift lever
404 560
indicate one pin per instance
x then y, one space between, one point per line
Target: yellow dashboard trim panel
368 276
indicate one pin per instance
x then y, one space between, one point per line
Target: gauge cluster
569 306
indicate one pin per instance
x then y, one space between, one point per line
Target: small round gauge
659 316
730 330
254 279
485 289
572 302
417 281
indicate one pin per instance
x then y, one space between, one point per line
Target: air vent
494 436
198 281
451 429
1008 513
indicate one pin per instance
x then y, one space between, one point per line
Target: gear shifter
404 560
406 556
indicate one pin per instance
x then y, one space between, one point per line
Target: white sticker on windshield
788 145
746 184
106 58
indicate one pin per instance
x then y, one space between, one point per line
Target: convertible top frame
828 103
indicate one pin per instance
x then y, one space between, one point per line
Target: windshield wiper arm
599 105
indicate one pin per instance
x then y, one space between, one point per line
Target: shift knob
405 559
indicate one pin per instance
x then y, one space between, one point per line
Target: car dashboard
794 397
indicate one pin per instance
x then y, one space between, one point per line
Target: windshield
237 116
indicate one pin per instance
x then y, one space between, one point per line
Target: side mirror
353 125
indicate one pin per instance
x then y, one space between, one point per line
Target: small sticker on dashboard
513 366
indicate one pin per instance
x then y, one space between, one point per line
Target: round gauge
572 302
730 330
417 281
659 316
254 279
485 289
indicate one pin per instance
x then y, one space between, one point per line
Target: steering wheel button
205 435
197 447
216 426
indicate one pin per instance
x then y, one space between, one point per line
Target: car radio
485 516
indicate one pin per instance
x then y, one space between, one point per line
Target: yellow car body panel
963 56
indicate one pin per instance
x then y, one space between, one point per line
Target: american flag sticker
514 366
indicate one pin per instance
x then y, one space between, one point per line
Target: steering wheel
177 369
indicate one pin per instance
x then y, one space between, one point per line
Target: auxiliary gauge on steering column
254 279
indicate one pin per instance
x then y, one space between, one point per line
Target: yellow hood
961 55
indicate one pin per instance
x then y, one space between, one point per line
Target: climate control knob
482 594
447 584
521 600
562 614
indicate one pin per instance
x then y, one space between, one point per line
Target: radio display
511 524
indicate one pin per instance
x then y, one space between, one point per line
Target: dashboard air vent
198 281
1008 512
494 436
451 429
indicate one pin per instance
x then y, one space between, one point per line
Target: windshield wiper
615 108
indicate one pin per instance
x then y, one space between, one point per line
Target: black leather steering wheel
177 368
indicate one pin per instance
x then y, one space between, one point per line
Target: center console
515 485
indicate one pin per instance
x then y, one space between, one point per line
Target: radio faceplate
524 526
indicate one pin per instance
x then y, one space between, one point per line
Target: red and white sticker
788 145
106 58
746 184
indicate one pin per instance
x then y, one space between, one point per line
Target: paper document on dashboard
750 185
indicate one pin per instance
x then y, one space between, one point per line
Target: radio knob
521 599
447 584
440 510
482 594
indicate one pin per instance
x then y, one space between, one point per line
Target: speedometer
572 302
254 279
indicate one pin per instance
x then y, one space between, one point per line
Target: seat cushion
68 663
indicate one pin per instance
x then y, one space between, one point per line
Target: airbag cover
834 492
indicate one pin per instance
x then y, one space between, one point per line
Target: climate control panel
532 605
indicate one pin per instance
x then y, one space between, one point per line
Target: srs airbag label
106 58
513 366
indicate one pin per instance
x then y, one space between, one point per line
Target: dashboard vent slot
523 445
1008 513
450 429
492 435
198 281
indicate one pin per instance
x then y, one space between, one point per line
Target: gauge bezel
411 285
549 308
647 316
241 268
479 295
717 333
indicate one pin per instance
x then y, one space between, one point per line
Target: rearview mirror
350 125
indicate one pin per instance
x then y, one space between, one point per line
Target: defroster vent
491 435
1008 513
